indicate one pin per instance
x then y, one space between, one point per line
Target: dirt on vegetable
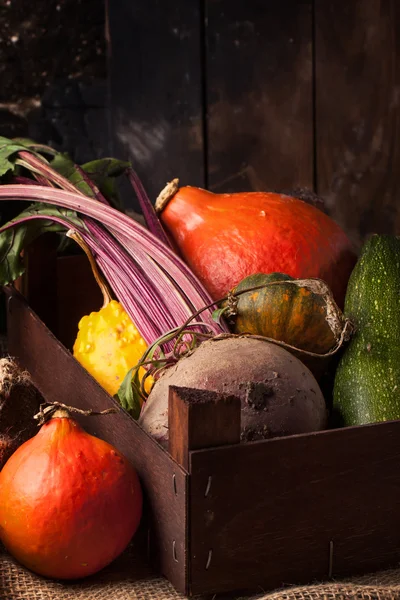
19 402
278 393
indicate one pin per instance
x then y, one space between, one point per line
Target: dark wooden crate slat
273 508
59 377
155 87
259 83
77 295
60 290
200 419
39 281
358 113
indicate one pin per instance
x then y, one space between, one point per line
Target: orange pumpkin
226 237
69 502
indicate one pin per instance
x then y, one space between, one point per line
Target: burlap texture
130 579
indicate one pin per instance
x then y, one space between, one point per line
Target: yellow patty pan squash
108 344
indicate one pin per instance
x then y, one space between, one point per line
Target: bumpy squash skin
367 380
285 312
108 344
69 502
226 237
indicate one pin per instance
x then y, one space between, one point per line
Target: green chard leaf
25 231
128 394
103 172
8 154
218 314
32 145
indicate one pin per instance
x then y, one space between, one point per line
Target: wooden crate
224 515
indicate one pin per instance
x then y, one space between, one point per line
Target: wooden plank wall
259 94
156 89
263 95
357 70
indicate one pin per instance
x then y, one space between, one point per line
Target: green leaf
63 164
128 394
25 231
32 145
26 142
105 167
8 148
102 172
217 314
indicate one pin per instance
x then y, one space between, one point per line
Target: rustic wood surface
77 295
156 89
296 509
61 378
357 51
60 290
201 419
39 282
281 95
259 94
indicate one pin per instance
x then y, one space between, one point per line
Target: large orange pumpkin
69 502
226 237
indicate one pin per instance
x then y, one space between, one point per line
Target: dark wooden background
261 94
226 94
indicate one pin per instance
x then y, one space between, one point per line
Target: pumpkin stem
166 194
105 290
61 413
55 410
231 304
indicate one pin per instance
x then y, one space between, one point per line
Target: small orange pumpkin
69 502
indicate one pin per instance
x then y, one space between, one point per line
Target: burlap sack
130 579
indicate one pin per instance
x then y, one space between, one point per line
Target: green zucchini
367 380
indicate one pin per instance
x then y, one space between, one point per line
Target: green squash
298 312
367 380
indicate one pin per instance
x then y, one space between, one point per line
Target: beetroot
279 394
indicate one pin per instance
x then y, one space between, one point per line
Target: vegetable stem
166 194
105 290
150 216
